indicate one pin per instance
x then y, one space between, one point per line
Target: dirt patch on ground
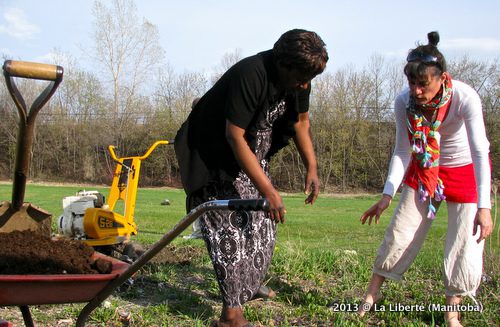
26 252
178 255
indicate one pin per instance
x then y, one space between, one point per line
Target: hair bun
433 38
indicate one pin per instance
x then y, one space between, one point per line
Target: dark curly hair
419 58
302 50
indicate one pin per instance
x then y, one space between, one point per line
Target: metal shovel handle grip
29 70
33 70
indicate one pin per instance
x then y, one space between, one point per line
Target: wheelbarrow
17 215
25 290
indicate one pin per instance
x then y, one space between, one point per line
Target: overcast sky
195 34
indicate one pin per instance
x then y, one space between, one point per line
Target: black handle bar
249 205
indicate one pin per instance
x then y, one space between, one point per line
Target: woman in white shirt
441 153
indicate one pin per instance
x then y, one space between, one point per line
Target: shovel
18 215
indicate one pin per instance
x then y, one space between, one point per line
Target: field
321 266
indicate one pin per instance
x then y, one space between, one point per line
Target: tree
175 93
227 61
129 52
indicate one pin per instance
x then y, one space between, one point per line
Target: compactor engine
71 222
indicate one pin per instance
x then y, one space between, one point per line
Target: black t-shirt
240 96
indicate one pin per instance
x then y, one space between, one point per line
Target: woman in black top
224 149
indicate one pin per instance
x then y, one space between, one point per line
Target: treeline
351 112
132 98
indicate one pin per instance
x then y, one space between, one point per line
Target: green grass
322 261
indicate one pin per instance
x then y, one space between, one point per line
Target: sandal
366 306
264 293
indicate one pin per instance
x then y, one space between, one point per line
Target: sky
196 34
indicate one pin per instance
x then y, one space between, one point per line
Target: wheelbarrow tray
57 289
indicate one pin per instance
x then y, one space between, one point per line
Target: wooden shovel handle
32 70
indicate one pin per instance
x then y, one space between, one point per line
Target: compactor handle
32 70
111 150
151 148
249 205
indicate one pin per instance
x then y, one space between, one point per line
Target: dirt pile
28 253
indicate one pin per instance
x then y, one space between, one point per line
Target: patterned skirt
240 243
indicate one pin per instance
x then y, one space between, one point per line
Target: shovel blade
28 217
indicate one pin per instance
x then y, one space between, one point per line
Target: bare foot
231 317
367 303
453 319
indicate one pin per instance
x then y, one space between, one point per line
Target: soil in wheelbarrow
28 253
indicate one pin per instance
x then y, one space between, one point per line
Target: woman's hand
311 187
303 141
277 209
376 210
483 220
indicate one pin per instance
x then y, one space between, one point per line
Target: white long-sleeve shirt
463 141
